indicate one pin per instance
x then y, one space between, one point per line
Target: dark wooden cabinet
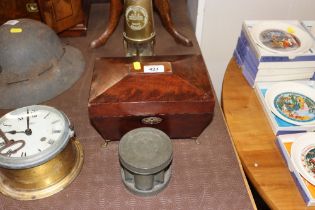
13 9
60 15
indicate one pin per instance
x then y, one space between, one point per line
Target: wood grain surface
13 9
120 99
61 14
255 143
206 175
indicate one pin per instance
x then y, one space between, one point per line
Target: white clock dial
33 133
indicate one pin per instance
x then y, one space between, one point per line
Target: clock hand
28 131
14 132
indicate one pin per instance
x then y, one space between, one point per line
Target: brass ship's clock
39 155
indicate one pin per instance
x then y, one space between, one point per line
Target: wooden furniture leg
163 7
116 9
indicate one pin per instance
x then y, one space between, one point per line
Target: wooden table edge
235 138
240 164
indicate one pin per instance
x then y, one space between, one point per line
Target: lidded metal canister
145 156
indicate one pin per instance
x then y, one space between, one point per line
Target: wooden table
255 143
205 172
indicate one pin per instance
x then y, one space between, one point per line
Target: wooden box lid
120 88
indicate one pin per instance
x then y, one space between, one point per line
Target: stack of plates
275 51
295 103
298 151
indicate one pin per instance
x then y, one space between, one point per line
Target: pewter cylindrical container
139 25
145 156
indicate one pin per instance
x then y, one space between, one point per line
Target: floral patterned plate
303 156
281 37
292 102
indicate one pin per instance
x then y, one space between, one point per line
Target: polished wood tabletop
255 143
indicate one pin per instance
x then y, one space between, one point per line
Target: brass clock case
46 179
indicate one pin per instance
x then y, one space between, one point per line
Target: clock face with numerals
32 135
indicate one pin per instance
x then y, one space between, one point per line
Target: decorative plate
281 37
292 102
303 156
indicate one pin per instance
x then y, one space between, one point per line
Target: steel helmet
34 64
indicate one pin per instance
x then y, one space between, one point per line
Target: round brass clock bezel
46 172
42 187
44 156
